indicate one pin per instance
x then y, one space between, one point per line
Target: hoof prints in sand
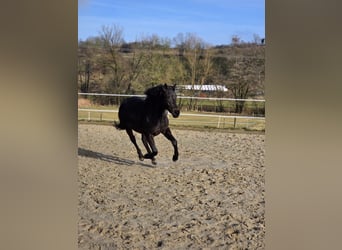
213 196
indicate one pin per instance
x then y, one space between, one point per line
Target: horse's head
170 99
166 96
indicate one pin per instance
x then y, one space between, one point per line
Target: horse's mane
157 91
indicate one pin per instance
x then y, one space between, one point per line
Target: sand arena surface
211 198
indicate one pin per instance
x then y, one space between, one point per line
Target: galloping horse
148 116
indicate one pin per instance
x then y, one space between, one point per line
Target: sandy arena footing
213 197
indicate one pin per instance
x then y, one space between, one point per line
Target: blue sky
215 21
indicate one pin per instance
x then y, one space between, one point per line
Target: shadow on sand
110 158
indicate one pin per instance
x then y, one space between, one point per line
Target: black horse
148 116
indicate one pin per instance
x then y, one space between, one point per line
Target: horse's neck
157 110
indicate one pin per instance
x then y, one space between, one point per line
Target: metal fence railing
185 119
188 118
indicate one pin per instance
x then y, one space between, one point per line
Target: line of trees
107 64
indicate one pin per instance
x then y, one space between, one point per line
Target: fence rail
209 120
192 119
181 97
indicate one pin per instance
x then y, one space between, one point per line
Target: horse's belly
148 125
153 130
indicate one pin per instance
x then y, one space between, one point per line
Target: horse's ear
174 87
164 87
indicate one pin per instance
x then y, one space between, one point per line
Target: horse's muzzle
175 113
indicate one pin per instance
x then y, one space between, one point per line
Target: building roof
204 87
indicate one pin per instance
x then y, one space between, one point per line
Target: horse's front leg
132 137
150 147
173 140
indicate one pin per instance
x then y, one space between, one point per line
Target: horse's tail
118 125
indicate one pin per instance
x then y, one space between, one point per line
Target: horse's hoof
154 162
175 158
141 158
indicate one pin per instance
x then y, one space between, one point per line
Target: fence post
234 122
218 123
88 115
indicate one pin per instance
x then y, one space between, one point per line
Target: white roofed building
204 87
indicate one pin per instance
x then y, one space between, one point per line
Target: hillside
107 66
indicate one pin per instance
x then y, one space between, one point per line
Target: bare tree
85 66
135 65
112 38
196 58
155 65
245 76
256 39
236 40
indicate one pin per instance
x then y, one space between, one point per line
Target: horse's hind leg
132 137
144 140
173 140
150 141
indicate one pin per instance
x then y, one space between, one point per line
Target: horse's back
131 103
130 112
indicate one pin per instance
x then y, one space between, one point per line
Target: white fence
181 97
220 118
185 119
